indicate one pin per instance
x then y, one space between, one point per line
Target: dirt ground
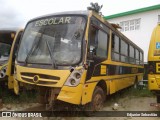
125 103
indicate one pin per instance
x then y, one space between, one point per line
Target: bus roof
85 12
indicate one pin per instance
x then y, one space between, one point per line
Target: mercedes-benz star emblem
36 78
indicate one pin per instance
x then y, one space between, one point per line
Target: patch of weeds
28 96
8 96
139 92
128 93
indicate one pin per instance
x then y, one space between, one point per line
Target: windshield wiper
51 54
34 45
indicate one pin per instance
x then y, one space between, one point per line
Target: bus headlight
74 78
3 72
72 81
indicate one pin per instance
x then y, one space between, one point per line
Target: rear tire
97 102
158 98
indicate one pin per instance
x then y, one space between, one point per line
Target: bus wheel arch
98 97
103 85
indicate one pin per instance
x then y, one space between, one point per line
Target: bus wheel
97 101
158 98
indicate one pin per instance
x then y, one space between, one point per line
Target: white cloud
18 12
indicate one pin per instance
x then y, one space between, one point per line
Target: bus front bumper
71 94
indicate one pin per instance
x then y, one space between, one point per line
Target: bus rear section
154 63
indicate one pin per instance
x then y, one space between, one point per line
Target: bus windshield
53 40
4 51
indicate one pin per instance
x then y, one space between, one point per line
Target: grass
130 93
30 96
139 92
8 96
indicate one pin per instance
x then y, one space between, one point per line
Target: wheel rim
98 102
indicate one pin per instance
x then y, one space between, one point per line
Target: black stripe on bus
120 78
116 70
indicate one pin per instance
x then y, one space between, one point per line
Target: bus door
11 62
97 48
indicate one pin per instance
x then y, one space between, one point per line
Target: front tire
97 102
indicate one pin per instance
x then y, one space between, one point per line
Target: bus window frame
96 23
112 50
121 54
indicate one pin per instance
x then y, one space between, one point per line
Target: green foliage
129 93
139 92
31 96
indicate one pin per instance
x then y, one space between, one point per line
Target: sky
16 13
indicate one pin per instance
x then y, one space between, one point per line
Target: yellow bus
154 63
76 57
8 42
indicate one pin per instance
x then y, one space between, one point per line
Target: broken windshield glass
59 44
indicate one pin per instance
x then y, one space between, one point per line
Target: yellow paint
112 86
71 94
16 87
10 62
63 74
158 67
152 82
88 90
83 92
103 69
154 56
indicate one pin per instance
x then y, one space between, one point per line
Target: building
138 25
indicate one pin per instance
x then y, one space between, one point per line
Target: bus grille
43 79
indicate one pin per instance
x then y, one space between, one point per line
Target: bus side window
102 44
115 48
98 42
93 40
